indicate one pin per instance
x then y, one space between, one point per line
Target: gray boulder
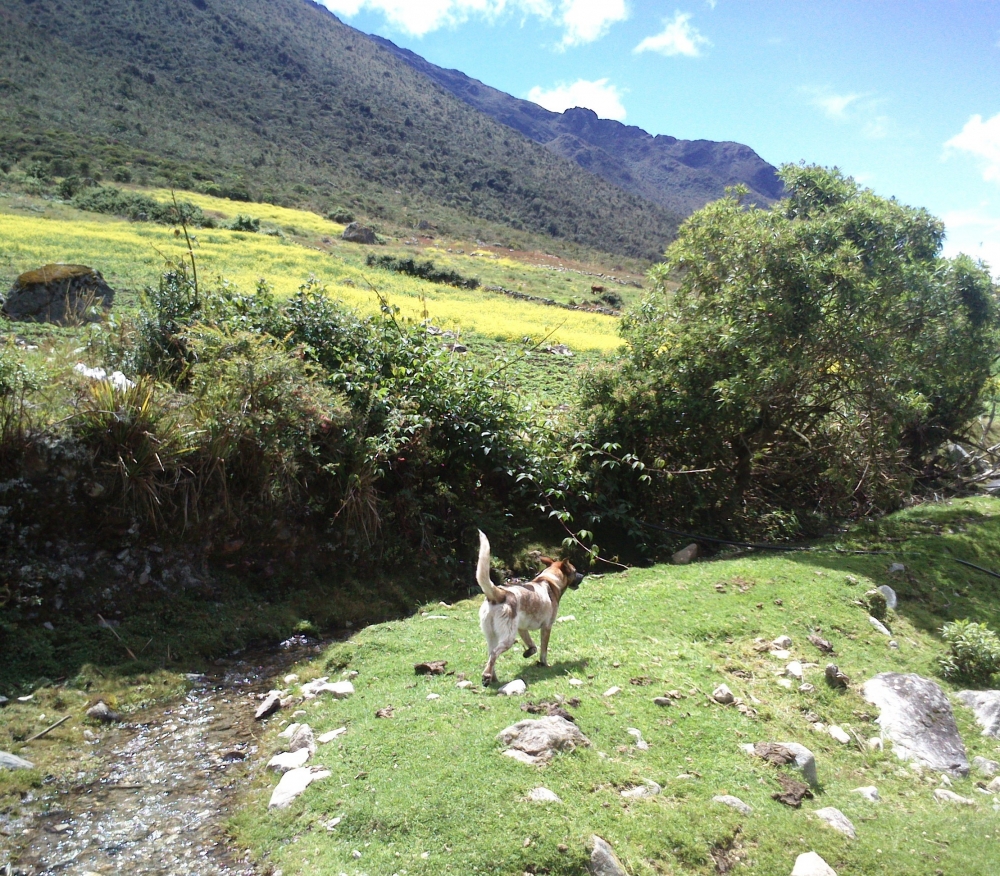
603 860
917 719
837 820
811 864
536 741
985 704
13 762
60 294
358 233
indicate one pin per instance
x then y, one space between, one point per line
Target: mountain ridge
680 175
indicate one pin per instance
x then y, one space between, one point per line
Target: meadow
301 245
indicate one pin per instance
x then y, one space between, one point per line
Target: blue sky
903 95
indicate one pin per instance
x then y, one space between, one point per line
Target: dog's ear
548 561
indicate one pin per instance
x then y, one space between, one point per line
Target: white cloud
835 105
861 110
976 232
981 139
602 98
678 38
583 21
588 20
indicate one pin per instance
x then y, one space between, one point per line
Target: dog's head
566 570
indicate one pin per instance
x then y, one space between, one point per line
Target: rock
821 643
723 695
875 743
612 691
640 743
288 760
10 761
464 684
780 753
834 677
811 864
289 731
433 696
431 667
896 568
781 654
985 705
805 687
543 795
662 701
686 555
994 786
303 737
839 734
945 796
646 789
837 820
890 596
101 711
916 717
874 601
270 704
794 670
785 682
985 767
869 792
513 688
293 783
331 735
879 626
792 792
603 860
735 802
539 739
355 232
60 294
782 643
340 690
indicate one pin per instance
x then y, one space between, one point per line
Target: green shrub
244 223
136 207
341 216
973 652
424 270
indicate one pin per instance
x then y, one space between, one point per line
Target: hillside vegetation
277 100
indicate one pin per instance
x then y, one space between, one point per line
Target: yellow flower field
131 254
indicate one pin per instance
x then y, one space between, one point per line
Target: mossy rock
63 294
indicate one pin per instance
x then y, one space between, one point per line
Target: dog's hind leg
526 638
490 672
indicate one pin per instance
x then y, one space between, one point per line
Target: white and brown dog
515 609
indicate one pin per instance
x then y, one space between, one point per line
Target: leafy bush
811 355
424 270
244 223
341 216
136 207
973 652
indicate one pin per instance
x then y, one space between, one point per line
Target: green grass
428 792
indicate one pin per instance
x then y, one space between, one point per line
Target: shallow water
170 778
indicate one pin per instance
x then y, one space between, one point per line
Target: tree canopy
796 363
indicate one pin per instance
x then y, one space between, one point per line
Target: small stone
101 711
288 760
640 743
303 737
270 705
603 860
575 682
723 695
289 731
543 795
894 644
781 643
821 643
879 626
806 687
794 670
661 701
686 555
433 696
338 689
946 796
781 654
837 820
811 864
785 682
839 734
896 568
735 802
464 684
875 743
299 713
612 691
291 678
330 735
513 688
869 792
13 762
566 618
834 677
333 822
293 783
431 667
994 785
647 789
890 596
985 767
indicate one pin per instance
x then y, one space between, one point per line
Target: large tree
797 362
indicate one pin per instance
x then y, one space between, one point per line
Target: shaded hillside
278 100
681 175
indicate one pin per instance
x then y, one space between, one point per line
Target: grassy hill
277 100
428 791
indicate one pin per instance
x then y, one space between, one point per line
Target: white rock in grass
303 737
735 802
781 654
640 743
288 760
332 734
869 792
293 783
513 688
985 705
10 761
603 860
785 682
647 789
612 691
536 741
464 684
945 796
723 695
566 618
543 795
794 670
782 643
994 786
879 626
575 682
338 689
839 734
811 864
433 696
890 596
837 820
289 731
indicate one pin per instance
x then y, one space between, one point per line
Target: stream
165 784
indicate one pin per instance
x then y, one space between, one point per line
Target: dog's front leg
543 657
526 638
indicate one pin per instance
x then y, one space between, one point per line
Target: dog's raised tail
483 570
